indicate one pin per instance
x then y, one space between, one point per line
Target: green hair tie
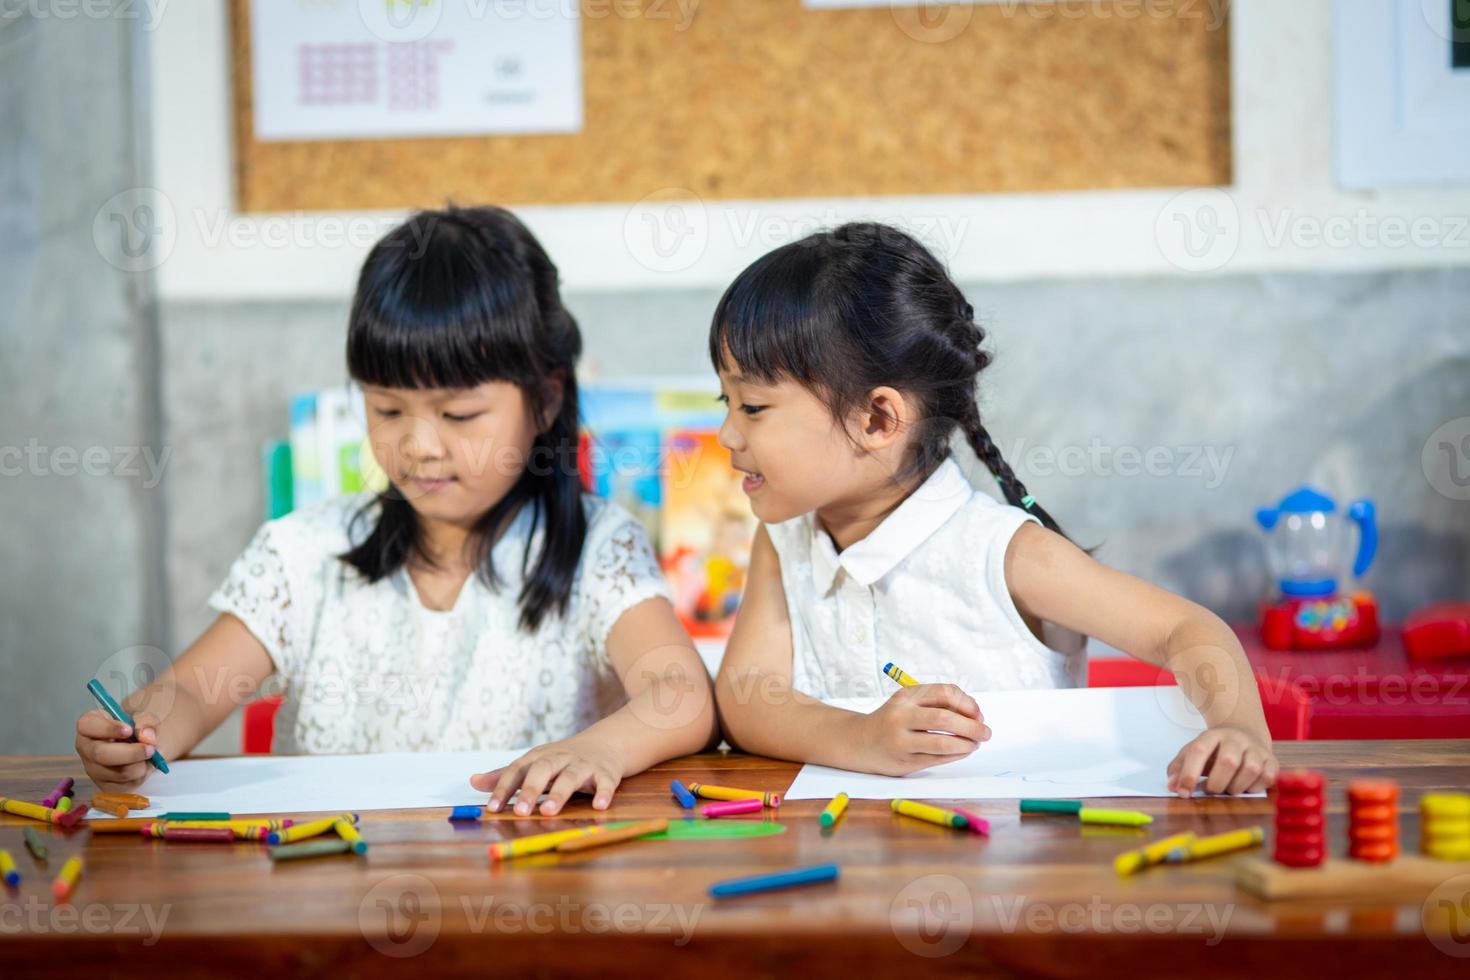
1027 501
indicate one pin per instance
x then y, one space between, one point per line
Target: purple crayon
63 788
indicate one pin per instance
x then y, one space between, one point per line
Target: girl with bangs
481 601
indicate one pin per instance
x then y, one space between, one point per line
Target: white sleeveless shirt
925 590
368 668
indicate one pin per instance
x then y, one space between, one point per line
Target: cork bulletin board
768 99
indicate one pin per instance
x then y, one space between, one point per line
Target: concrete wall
81 557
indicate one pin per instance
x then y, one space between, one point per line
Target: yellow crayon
1116 818
535 844
67 880
1132 861
766 797
311 828
834 810
1208 847
349 833
904 679
933 814
8 871
35 811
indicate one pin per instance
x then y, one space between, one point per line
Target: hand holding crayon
117 755
921 725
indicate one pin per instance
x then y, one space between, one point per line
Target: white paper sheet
366 69
1065 745
311 783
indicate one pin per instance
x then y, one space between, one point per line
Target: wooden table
1038 897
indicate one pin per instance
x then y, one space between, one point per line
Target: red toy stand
1320 622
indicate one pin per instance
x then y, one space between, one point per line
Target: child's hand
111 760
906 734
1235 761
575 764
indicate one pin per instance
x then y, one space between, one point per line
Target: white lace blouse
367 668
925 590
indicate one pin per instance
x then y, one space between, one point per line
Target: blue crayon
467 813
116 710
781 879
685 798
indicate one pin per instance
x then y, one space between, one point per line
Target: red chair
260 725
1288 708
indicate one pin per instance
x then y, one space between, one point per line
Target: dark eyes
393 413
748 409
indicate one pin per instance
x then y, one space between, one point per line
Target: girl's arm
1052 579
670 712
221 670
763 714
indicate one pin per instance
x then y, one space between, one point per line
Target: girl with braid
848 361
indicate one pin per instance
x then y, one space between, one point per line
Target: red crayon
725 809
978 824
220 835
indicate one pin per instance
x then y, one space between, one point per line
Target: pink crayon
63 788
728 807
978 824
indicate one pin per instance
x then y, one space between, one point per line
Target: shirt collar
921 514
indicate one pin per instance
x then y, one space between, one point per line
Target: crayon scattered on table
8 871
61 789
833 810
66 820
63 804
131 800
312 828
613 835
933 814
769 882
130 825
1208 847
67 879
348 832
729 808
308 849
685 798
535 844
34 844
211 835
1072 807
1114 818
903 679
194 815
467 812
708 792
1131 862
110 806
118 714
978 824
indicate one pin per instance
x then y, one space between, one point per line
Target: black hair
864 306
453 299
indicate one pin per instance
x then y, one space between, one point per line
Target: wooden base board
1409 876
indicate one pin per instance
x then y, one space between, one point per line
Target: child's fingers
507 782
1249 773
1227 762
947 696
1194 757
147 725
1268 775
934 743
100 725
537 777
485 781
118 778
570 780
117 754
605 784
942 720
